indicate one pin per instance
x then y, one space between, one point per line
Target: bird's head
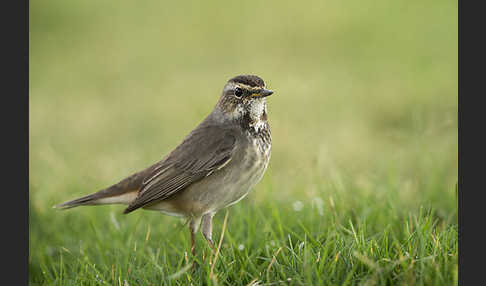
244 96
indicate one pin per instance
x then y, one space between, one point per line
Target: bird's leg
193 244
193 227
207 228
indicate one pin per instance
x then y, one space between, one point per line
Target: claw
210 242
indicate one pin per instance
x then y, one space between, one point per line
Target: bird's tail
123 192
86 200
110 195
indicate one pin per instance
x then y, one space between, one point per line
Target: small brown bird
214 167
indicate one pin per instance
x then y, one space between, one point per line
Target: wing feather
203 151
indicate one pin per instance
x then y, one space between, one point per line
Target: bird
215 166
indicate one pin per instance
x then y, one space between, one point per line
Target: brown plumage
215 166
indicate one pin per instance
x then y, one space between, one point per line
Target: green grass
361 186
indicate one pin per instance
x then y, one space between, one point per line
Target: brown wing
205 150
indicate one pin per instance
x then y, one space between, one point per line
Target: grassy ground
361 185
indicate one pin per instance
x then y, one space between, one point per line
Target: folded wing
202 152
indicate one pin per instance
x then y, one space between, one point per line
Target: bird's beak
263 93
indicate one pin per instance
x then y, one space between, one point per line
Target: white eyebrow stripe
249 88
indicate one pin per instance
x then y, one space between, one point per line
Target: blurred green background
365 94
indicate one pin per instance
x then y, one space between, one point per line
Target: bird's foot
211 243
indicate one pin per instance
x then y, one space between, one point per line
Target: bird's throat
254 124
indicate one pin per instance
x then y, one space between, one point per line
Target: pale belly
223 188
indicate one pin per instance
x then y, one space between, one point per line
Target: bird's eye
238 92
